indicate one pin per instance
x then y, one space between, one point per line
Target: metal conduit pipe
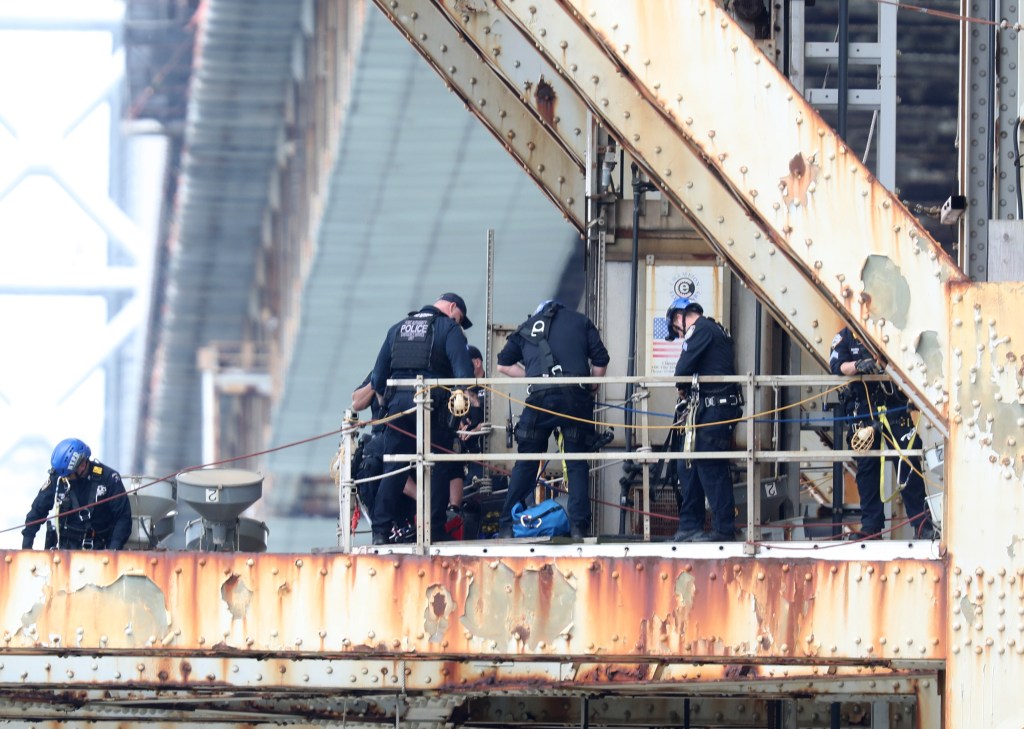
640 188
844 65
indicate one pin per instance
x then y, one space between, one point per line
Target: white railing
422 460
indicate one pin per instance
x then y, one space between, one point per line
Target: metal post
645 446
838 507
346 482
753 488
422 400
844 66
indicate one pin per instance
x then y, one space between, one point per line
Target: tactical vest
414 342
77 527
535 331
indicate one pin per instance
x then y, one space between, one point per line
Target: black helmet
680 304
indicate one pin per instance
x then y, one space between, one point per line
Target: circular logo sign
685 285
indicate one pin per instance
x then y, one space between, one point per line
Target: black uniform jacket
111 520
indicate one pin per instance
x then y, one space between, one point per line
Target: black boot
381 537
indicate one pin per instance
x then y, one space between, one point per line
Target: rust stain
435 615
794 186
545 99
617 608
524 609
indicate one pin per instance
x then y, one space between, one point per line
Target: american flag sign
660 349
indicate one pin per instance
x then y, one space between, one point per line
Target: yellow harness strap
889 437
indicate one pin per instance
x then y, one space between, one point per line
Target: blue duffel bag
546 519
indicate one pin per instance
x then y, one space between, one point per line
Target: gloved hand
868 366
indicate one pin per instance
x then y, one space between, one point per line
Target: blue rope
762 421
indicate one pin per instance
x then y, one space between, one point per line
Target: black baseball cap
461 304
474 353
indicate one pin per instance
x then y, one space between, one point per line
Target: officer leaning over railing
710 412
880 418
100 518
428 343
554 342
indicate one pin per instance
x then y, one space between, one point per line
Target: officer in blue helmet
93 511
714 409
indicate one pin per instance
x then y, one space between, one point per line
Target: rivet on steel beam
760 277
753 193
56 559
561 179
570 200
688 121
734 48
202 640
730 242
721 219
202 562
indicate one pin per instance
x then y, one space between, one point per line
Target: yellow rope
634 426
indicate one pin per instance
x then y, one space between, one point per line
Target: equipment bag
546 519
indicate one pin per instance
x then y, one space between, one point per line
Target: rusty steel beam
719 102
178 676
703 201
462 607
983 525
557 170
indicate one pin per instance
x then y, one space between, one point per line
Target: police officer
428 343
707 350
101 516
554 342
882 407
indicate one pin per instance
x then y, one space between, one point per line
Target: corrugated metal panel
234 127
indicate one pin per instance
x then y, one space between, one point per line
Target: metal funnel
219 495
153 508
155 501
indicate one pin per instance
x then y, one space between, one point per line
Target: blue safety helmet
680 304
67 455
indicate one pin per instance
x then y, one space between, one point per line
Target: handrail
422 460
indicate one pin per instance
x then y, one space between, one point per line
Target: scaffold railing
761 402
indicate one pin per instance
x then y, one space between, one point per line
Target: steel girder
251 634
644 70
